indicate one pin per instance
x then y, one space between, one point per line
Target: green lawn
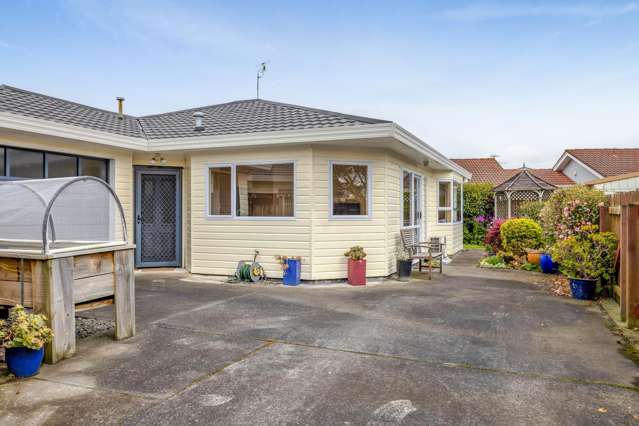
473 246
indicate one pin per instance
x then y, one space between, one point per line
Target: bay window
261 190
349 190
449 201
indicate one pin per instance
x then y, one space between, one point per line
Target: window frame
451 209
369 189
45 152
233 166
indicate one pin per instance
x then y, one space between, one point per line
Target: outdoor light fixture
157 158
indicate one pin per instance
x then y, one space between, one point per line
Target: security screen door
158 209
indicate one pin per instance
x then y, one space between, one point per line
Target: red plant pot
357 272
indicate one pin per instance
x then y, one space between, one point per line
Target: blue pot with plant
23 336
547 265
586 259
291 269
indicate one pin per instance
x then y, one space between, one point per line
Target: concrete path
471 347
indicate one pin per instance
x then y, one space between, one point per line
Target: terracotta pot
534 256
357 272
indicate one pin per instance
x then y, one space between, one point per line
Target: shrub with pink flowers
571 211
493 236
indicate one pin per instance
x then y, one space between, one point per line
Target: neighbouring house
586 165
488 170
204 188
621 183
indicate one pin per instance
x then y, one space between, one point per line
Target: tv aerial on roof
260 73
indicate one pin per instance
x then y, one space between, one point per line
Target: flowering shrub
571 211
478 210
493 236
589 256
520 234
24 330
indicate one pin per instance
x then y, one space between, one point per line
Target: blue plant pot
24 362
583 289
292 274
547 265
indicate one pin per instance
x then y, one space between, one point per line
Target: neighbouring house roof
484 170
246 116
604 161
488 170
524 180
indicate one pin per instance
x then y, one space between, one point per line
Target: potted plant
291 269
23 336
404 264
585 260
356 265
533 256
547 264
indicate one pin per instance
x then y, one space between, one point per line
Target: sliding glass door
412 203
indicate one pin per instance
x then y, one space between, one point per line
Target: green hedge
478 210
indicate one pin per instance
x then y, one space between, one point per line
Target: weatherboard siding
218 244
334 236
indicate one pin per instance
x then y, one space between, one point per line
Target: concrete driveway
468 348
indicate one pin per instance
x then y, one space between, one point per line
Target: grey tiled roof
30 104
247 116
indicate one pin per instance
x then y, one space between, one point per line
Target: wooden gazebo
522 187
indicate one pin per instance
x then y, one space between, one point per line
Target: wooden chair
423 251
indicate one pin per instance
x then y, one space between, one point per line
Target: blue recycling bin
293 272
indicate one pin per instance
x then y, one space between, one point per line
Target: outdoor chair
423 251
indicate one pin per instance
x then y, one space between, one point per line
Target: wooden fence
621 216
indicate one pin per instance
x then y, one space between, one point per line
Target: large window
61 165
350 190
449 201
25 164
18 163
251 190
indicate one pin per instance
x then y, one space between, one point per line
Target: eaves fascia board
52 128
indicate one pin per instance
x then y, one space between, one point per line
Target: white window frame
369 190
453 220
412 206
233 166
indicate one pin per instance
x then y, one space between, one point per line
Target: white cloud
492 11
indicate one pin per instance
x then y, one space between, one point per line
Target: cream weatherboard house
204 188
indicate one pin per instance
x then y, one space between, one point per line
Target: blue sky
522 80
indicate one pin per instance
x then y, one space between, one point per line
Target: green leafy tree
478 211
532 210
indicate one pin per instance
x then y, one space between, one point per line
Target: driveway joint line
531 375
